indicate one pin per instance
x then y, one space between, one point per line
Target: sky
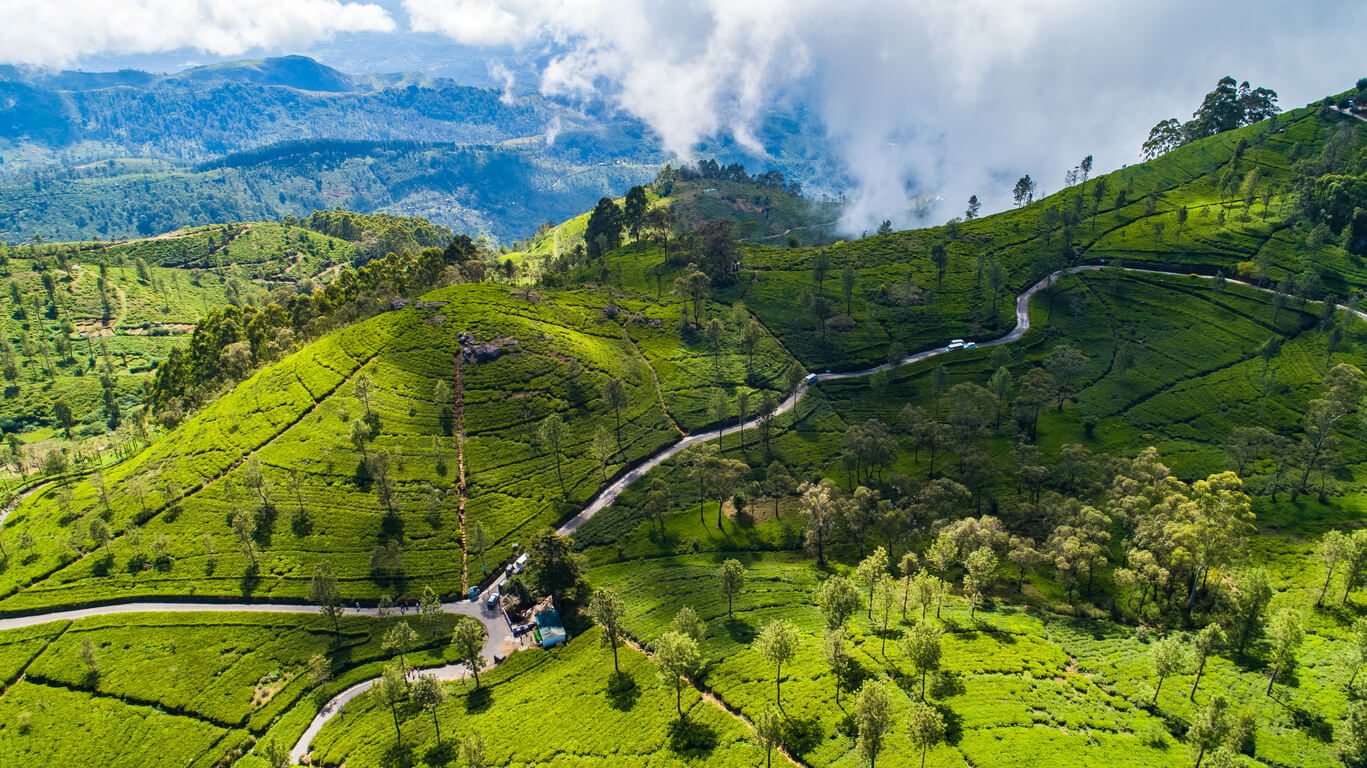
908 102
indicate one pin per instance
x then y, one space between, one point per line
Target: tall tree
634 210
603 232
1202 644
873 717
973 208
615 395
768 733
921 646
777 644
838 598
837 656
607 611
393 690
1287 633
467 642
730 581
939 256
429 695
925 727
678 658
1167 656
551 435
323 591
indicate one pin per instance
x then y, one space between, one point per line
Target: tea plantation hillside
83 319
1128 532
205 687
346 452
1263 203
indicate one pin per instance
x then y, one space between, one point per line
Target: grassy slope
186 279
961 305
569 689
295 415
201 685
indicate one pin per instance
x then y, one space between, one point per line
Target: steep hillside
82 319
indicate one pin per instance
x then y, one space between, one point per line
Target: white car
970 345
956 344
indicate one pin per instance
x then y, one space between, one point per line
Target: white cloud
60 32
924 97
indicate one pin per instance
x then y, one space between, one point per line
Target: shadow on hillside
396 757
802 734
692 739
622 691
479 700
740 631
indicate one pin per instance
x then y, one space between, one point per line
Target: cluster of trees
397 686
378 234
711 169
1231 105
228 344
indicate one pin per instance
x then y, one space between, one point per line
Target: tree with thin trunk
602 450
99 531
429 607
768 733
1333 548
323 591
393 691
1287 632
716 332
909 566
925 727
848 277
360 435
1202 644
837 656
679 659
1209 728
731 581
607 611
873 716
472 750
467 640
552 435
750 336
477 541
1357 636
429 695
921 646
1167 656
615 395
778 483
363 390
777 643
400 639
870 571
717 408
838 598
885 594
244 527
742 410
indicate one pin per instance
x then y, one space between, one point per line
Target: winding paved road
498 634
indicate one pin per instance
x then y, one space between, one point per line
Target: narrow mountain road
498 633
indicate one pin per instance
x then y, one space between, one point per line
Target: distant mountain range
132 153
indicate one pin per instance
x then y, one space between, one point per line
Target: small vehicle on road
970 345
811 378
956 344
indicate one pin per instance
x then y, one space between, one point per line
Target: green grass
550 709
141 317
209 682
1015 680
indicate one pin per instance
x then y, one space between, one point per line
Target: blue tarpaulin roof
552 631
